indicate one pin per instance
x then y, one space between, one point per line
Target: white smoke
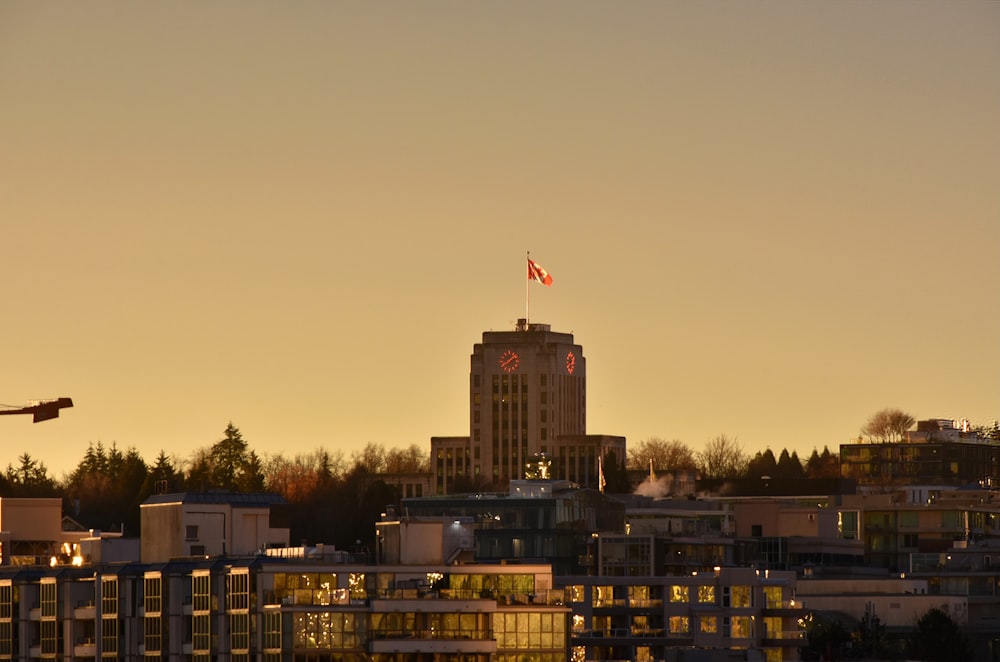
655 487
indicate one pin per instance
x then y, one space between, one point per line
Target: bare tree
413 459
888 425
723 457
371 458
671 455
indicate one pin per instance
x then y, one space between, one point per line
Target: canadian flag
537 273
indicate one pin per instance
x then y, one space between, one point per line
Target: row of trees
724 458
936 637
332 498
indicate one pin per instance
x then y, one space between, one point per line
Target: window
356 585
638 596
191 532
741 627
706 594
529 630
152 597
709 624
237 591
640 625
679 625
602 596
109 635
201 596
239 632
272 629
574 593
6 600
109 595
6 638
152 634
49 637
201 633
48 598
329 630
737 596
678 593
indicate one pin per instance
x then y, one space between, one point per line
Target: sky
767 220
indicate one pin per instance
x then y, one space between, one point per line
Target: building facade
306 609
527 398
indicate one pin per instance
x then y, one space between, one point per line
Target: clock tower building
527 396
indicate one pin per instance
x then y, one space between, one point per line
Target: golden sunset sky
764 219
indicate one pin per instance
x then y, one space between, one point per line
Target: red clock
570 362
509 361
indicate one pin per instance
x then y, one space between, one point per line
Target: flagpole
527 295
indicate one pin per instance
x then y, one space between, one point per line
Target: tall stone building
527 396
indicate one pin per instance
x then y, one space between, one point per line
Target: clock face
509 361
570 362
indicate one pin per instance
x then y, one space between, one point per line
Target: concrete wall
161 532
31 519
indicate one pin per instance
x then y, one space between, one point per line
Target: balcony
430 641
784 638
783 608
84 647
85 611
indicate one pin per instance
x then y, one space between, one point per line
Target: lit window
679 625
678 593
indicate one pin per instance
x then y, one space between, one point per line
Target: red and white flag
537 273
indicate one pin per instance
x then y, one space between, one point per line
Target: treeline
723 457
332 498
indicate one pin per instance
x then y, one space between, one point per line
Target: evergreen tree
29 478
939 639
762 464
789 466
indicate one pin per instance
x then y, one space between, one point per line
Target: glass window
742 596
238 591
603 596
6 638
152 594
742 627
272 629
574 593
638 596
709 624
201 597
679 625
6 600
706 594
640 625
201 633
48 598
49 637
109 635
239 632
152 634
678 593
356 585
109 595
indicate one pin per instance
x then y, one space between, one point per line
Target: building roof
235 499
